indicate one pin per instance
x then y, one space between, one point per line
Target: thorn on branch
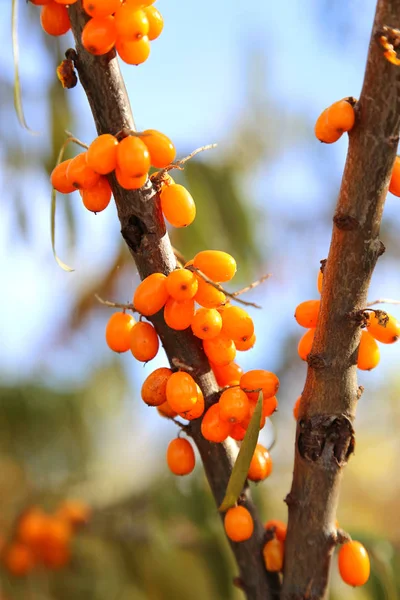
342 536
360 391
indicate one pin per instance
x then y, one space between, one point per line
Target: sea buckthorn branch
127 306
382 301
325 435
143 229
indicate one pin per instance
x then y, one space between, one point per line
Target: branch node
382 249
345 222
316 361
290 500
360 391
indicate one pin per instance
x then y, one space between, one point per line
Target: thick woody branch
143 228
325 435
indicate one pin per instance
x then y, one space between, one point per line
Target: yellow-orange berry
237 323
227 374
215 264
296 408
54 19
177 205
180 457
179 315
305 344
354 565
320 279
234 405
133 52
181 391
164 410
273 553
131 23
279 528
19 559
261 464
79 174
133 158
130 183
99 35
383 327
238 524
198 408
144 341
182 284
245 343
154 388
102 154
59 179
139 3
220 350
156 22
334 121
208 296
100 8
368 352
206 323
97 197
30 527
118 331
162 151
213 428
394 186
270 405
151 294
259 379
307 313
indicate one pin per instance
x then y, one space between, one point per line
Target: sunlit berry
206 323
179 315
79 174
133 52
118 331
182 284
245 343
130 183
259 379
99 35
354 565
394 186
59 179
100 8
144 341
177 205
296 408
305 344
238 523
180 457
319 281
383 327
227 374
133 157
102 154
237 432
97 197
156 22
261 464
220 350
164 410
216 265
273 554
368 352
54 19
334 121
306 313
131 24
197 410
151 294
237 323
208 296
154 388
270 405
162 150
234 405
213 428
181 391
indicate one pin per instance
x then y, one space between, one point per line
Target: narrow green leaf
243 460
53 231
17 84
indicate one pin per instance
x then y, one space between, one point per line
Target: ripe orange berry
182 393
334 121
237 323
305 344
234 405
198 408
385 329
354 565
162 151
238 524
296 408
99 35
102 154
154 388
252 408
118 331
182 284
178 315
259 379
151 294
270 405
79 174
97 197
100 8
131 23
54 19
394 186
54 547
133 52
278 527
319 281
368 352
237 432
307 313
30 527
213 428
139 3
216 265
208 296
245 343
261 464
59 179
227 374
220 350
177 205
156 22
180 457
133 158
19 559
130 183
206 323
164 410
66 2
273 553
144 341
75 512
40 2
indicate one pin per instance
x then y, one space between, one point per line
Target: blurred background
252 77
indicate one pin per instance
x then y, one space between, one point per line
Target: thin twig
115 304
383 301
72 138
252 285
179 256
218 287
179 163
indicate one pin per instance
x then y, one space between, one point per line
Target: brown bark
143 229
325 436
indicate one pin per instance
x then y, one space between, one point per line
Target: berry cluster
335 120
41 538
274 549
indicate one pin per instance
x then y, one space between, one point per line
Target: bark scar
331 436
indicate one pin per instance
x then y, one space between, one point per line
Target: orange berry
75 512
237 432
144 341
162 151
178 315
156 22
118 331
354 565
181 284
54 19
151 294
296 408
238 524
164 410
216 265
319 281
270 405
335 120
234 405
182 393
368 352
99 35
79 174
19 559
54 547
227 374
180 457
206 323
177 205
131 23
133 52
100 8
305 344
252 408
307 313
65 2
139 3
245 343
102 154
323 131
154 388
259 379
133 158
198 408
237 323
261 464
385 328
394 185
273 553
30 527
213 428
97 197
278 527
130 183
40 2
220 350
59 179
208 296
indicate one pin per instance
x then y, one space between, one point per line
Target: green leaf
17 84
242 463
53 231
